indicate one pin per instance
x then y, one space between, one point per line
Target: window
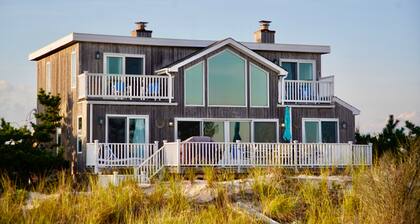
117 64
265 131
79 123
79 145
215 130
320 130
259 87
73 69
79 134
240 130
226 80
299 69
194 81
127 129
48 77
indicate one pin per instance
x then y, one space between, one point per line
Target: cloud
16 101
407 116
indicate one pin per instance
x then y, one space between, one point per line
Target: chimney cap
141 23
264 21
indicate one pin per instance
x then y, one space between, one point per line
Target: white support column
156 146
178 155
295 149
351 152
238 158
90 122
96 149
164 152
369 154
170 82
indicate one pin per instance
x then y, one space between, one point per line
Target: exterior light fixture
97 55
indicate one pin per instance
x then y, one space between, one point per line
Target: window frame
123 56
73 70
226 122
79 134
250 88
48 77
203 85
298 61
245 76
319 120
127 126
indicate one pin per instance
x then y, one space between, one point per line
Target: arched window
226 80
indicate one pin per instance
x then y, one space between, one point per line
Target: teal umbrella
287 134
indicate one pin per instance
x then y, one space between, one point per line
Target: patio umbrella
236 135
287 134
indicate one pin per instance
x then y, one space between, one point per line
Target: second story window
48 77
194 85
226 80
259 86
124 64
299 69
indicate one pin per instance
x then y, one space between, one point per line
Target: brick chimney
264 35
141 31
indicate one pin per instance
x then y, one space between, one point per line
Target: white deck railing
108 155
141 87
298 91
149 159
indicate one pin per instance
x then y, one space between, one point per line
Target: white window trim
268 86
123 56
245 76
204 88
73 80
128 117
319 120
48 74
226 125
79 134
298 61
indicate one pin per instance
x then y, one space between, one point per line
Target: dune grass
387 192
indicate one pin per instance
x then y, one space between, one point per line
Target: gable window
194 85
73 69
124 64
48 77
299 69
320 130
226 80
259 87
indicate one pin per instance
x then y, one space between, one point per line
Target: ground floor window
127 129
228 130
317 130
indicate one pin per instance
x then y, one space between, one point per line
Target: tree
48 119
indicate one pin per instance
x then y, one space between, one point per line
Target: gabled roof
100 38
213 47
353 109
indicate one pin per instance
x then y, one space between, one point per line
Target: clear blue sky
375 45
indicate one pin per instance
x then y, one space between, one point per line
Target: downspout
170 84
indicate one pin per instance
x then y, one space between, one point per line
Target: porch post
238 157
155 146
178 155
295 148
96 154
369 154
352 152
164 152
170 88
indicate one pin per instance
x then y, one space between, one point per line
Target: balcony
298 91
143 88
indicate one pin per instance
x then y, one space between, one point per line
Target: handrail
151 166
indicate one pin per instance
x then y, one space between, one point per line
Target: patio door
187 129
320 131
127 129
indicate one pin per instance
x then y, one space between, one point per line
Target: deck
148 159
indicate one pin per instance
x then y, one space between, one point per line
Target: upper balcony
308 92
144 88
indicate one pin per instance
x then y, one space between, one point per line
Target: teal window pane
265 132
240 130
305 71
329 131
215 130
291 68
114 65
311 131
259 86
226 79
137 130
194 79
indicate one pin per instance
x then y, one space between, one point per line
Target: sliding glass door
127 129
320 131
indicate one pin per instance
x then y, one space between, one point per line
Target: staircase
150 166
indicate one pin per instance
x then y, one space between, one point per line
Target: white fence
300 91
149 159
142 87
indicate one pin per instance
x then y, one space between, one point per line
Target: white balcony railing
141 87
298 91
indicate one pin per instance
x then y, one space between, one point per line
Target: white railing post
115 178
369 154
155 146
96 149
170 88
352 153
178 155
238 158
295 148
164 152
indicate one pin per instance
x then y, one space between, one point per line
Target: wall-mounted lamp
343 125
100 121
171 124
97 55
282 125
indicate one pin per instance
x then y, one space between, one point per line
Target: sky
375 44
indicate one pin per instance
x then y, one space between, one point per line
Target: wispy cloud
16 101
410 116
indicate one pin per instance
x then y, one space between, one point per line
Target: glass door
117 127
187 129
